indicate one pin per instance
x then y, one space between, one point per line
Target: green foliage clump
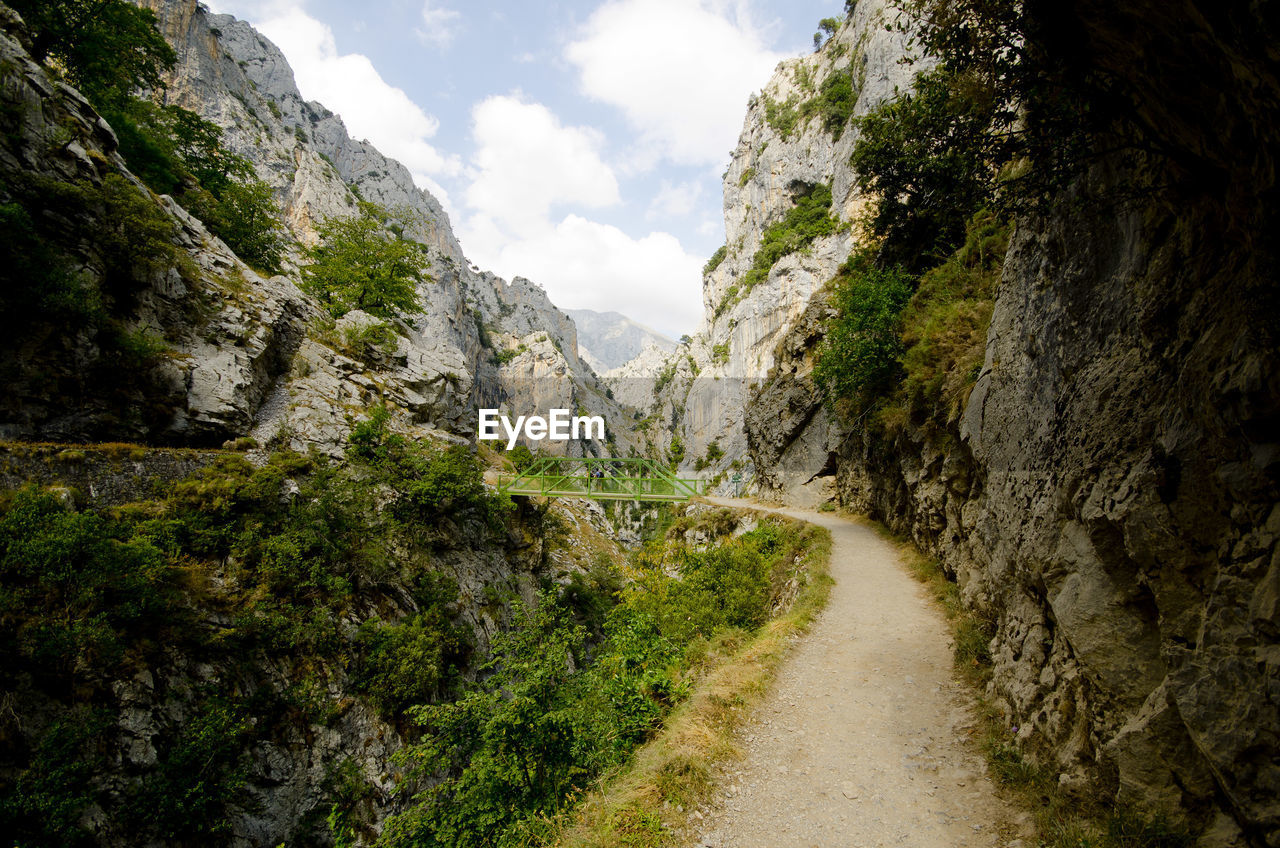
502 357
675 451
521 457
109 48
202 772
364 263
925 155
245 216
664 378
808 220
783 116
414 661
716 258
44 804
945 326
432 483
720 353
836 99
553 712
859 356
74 585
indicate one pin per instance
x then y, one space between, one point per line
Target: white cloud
674 200
527 161
351 86
526 164
588 265
439 24
680 70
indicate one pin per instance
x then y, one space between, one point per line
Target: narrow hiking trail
862 740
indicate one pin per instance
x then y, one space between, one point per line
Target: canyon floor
867 737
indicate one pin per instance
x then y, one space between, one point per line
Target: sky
579 144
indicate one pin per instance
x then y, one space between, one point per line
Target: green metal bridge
601 478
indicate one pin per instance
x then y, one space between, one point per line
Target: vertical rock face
186 339
608 340
243 354
773 162
1109 496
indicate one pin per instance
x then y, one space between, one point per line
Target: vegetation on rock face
111 51
364 263
109 48
809 219
562 705
240 568
860 354
924 157
715 260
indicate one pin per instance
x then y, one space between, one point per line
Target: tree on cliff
365 263
109 48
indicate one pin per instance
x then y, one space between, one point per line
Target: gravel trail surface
865 739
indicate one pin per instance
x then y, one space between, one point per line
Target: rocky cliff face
194 336
1108 496
785 149
608 340
246 354
453 359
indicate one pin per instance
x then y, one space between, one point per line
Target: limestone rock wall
733 348
1109 497
446 362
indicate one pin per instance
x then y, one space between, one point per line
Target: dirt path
859 743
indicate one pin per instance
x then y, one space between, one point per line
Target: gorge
251 567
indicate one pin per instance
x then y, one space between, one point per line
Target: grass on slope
646 804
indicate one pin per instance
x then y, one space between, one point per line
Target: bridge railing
602 478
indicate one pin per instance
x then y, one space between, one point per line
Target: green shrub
808 220
74 585
783 117
715 260
836 100
414 661
720 353
46 800
521 457
361 263
366 342
664 378
859 357
202 772
675 452
502 357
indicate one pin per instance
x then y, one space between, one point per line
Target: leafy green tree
110 48
245 216
362 263
926 155
508 746
521 457
860 355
